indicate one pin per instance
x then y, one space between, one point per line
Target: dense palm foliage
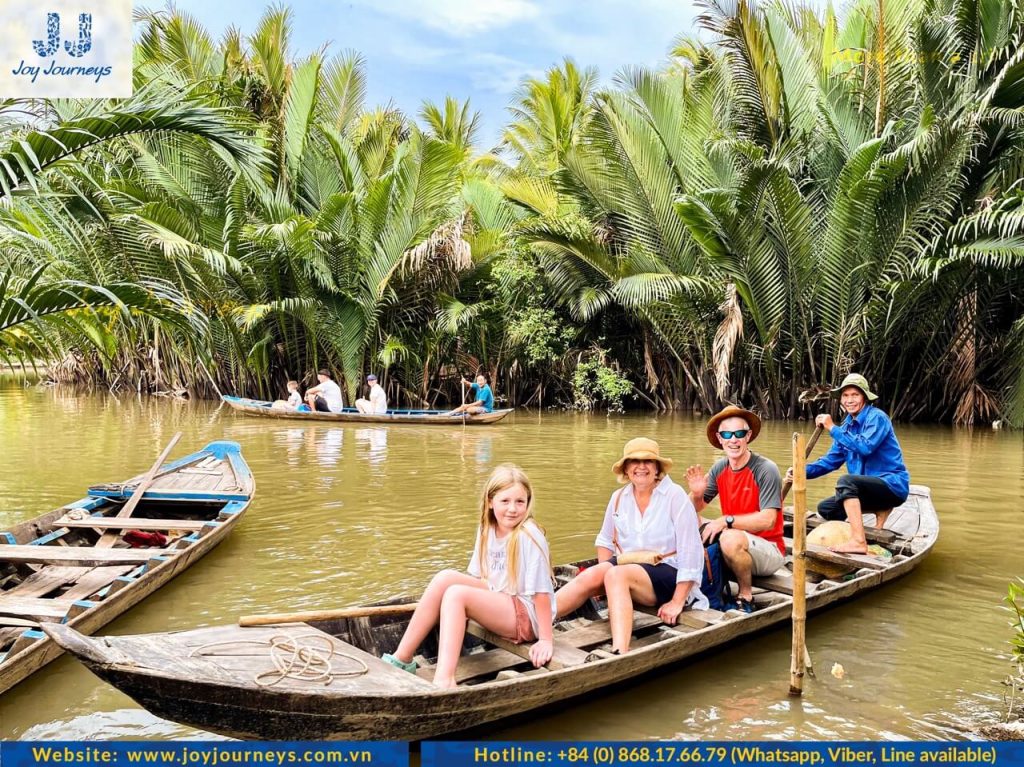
789 198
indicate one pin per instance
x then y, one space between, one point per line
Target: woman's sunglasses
738 434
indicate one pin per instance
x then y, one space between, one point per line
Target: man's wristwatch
729 520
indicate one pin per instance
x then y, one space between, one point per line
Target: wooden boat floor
241 657
571 641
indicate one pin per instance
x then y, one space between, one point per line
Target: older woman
651 516
865 441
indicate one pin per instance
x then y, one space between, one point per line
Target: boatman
750 489
326 395
377 404
480 396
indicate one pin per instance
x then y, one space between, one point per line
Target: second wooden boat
75 566
229 679
264 409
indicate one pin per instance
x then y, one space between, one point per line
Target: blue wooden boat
74 565
264 409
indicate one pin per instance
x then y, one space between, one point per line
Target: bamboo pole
799 656
807 454
326 615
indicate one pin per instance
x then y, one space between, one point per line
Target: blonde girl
508 589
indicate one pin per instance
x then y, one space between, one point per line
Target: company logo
71 49
53 36
76 49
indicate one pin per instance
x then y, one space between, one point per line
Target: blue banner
715 754
202 754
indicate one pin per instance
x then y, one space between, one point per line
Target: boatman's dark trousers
873 493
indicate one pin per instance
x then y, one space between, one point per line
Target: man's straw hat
732 412
640 449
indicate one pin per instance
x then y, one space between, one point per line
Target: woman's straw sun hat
641 449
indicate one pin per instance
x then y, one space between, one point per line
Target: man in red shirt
750 488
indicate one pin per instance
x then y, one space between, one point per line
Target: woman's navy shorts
663 579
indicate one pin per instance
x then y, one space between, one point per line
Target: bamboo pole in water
796 664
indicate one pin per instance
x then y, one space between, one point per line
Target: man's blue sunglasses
738 434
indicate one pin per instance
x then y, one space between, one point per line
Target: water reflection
373 444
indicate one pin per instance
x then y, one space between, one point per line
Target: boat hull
126 591
354 710
264 409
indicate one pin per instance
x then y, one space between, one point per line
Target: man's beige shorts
765 554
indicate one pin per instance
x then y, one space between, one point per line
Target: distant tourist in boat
865 441
750 490
481 398
377 403
648 549
294 401
508 590
326 395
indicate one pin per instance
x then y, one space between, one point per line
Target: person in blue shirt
481 399
865 441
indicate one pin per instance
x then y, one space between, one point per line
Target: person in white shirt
508 589
326 395
651 526
294 400
377 404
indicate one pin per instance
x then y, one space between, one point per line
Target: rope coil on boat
293 658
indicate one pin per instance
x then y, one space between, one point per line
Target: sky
475 49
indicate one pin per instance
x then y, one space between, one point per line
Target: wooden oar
108 539
326 615
807 454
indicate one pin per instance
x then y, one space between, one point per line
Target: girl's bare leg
428 611
493 610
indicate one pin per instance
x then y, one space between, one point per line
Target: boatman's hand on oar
541 652
825 421
789 475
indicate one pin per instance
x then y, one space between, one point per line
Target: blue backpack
714 583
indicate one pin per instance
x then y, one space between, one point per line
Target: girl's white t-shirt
534 568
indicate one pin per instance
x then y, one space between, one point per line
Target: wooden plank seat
781 582
854 561
35 608
133 523
78 555
564 654
872 534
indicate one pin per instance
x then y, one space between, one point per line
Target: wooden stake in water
796 663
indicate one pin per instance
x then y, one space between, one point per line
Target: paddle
109 538
807 454
326 615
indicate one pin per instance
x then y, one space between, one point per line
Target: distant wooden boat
223 679
73 566
264 409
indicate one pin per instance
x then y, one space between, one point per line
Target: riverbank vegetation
791 196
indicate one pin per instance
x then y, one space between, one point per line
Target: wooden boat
74 566
264 409
225 680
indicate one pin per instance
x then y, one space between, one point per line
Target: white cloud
463 18
498 74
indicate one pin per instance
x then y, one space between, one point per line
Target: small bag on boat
642 557
714 582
